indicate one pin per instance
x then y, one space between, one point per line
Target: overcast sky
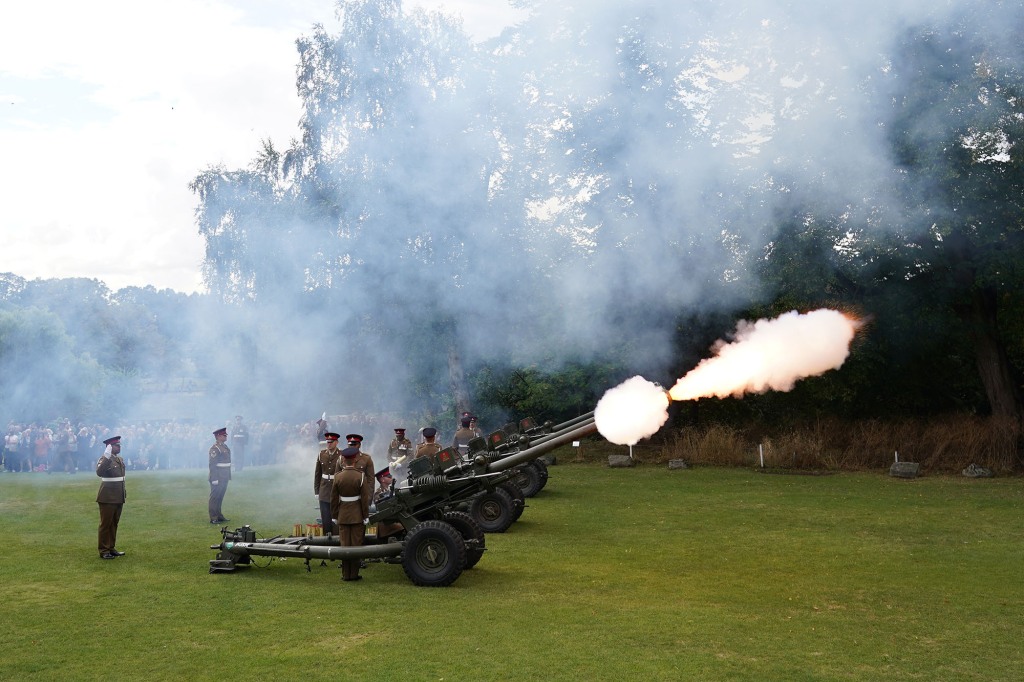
109 109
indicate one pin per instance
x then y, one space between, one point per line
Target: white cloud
110 108
126 103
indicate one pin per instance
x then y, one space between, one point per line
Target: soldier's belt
345 498
223 464
326 477
116 479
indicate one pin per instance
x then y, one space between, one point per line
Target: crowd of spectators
61 446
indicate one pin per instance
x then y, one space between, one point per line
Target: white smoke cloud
634 409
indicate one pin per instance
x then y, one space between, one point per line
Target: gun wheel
434 554
492 509
541 466
472 534
528 479
517 497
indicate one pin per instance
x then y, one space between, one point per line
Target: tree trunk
993 363
457 381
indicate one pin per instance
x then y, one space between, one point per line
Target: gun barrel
314 551
574 421
545 446
564 427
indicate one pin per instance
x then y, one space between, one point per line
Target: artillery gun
532 476
436 541
491 508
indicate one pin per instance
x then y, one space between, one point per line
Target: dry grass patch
939 446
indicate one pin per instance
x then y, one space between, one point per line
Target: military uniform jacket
323 474
352 490
428 449
111 472
240 435
220 463
400 447
462 438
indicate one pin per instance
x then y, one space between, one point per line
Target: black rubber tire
527 479
434 554
518 499
543 469
472 534
492 510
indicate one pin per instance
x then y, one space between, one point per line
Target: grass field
610 574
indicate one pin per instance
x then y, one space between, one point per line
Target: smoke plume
765 355
771 355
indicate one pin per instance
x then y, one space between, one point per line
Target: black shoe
108 555
223 520
116 553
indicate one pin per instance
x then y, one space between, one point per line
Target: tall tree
41 376
957 132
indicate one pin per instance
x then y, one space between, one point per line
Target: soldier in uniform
350 495
474 426
356 441
111 496
323 479
463 436
428 447
220 474
400 446
239 439
386 482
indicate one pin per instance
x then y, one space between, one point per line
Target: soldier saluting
220 474
111 496
323 479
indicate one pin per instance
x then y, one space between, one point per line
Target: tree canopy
601 191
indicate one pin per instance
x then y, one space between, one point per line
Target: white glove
214 482
107 452
366 521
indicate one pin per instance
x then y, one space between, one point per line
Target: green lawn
610 574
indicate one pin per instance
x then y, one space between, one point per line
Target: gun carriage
435 538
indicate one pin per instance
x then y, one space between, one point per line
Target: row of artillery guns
439 509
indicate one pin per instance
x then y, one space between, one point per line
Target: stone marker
904 469
620 461
678 464
975 471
